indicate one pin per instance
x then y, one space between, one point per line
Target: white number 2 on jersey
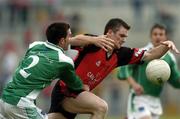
35 60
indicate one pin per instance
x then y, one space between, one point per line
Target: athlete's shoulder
36 43
148 46
62 57
129 55
65 59
56 51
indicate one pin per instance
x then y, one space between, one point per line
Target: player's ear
61 42
110 31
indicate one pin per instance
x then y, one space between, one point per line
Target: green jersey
138 73
43 62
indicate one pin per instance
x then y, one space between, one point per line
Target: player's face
158 35
66 40
119 36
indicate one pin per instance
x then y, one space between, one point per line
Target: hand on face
115 39
119 36
104 42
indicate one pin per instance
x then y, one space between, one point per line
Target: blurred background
25 21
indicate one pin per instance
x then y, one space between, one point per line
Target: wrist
92 40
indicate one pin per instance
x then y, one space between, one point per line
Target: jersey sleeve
124 72
129 56
69 76
174 79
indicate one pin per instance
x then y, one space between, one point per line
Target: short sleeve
129 56
123 72
69 76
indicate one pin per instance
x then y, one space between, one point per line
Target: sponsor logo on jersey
91 76
136 54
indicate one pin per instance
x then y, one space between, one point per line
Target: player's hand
138 89
171 46
103 42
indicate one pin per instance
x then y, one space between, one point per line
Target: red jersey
93 64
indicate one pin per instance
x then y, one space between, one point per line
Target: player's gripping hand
105 43
171 46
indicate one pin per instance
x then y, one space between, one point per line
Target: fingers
109 42
106 47
171 46
176 50
106 43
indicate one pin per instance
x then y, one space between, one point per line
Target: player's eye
122 35
155 34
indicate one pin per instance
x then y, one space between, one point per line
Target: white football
158 71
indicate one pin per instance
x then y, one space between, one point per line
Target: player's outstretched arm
160 50
100 41
136 86
124 74
72 81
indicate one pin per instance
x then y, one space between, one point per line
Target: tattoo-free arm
100 41
159 51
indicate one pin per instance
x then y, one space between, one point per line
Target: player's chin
66 48
117 46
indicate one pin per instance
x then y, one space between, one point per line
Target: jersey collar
52 46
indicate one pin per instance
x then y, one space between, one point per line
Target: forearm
155 53
81 40
72 81
131 81
99 41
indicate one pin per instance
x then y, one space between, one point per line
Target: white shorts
144 105
8 111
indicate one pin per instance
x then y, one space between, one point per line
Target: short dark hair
114 24
159 26
57 30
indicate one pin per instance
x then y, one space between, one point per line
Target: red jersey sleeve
129 56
